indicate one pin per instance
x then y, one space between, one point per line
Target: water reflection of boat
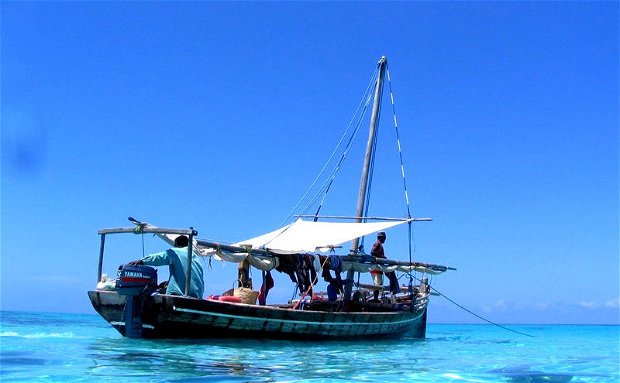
136 308
113 359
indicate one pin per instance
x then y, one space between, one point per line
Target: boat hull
167 316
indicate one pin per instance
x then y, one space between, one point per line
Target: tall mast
361 199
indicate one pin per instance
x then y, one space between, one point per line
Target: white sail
303 235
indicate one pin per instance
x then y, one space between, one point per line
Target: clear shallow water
48 347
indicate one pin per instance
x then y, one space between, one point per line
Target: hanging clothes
309 273
394 288
264 289
303 275
288 264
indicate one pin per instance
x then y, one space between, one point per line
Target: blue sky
219 116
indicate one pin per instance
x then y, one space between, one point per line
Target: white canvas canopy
302 236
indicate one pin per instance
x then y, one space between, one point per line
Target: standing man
377 276
378 252
176 259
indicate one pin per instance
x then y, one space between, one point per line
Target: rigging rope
402 167
363 105
478 316
473 313
400 153
329 183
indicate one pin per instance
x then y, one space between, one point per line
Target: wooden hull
167 316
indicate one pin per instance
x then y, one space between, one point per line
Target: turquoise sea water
48 347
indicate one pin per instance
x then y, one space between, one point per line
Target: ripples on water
83 348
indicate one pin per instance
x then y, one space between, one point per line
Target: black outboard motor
137 283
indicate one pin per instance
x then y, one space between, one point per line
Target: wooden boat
137 308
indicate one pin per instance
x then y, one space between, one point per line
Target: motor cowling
135 280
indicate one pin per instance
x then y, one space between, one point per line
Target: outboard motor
137 283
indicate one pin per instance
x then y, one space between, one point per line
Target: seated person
176 259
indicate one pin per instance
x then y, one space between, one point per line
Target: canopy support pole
101 250
190 251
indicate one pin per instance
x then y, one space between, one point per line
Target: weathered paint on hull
165 316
